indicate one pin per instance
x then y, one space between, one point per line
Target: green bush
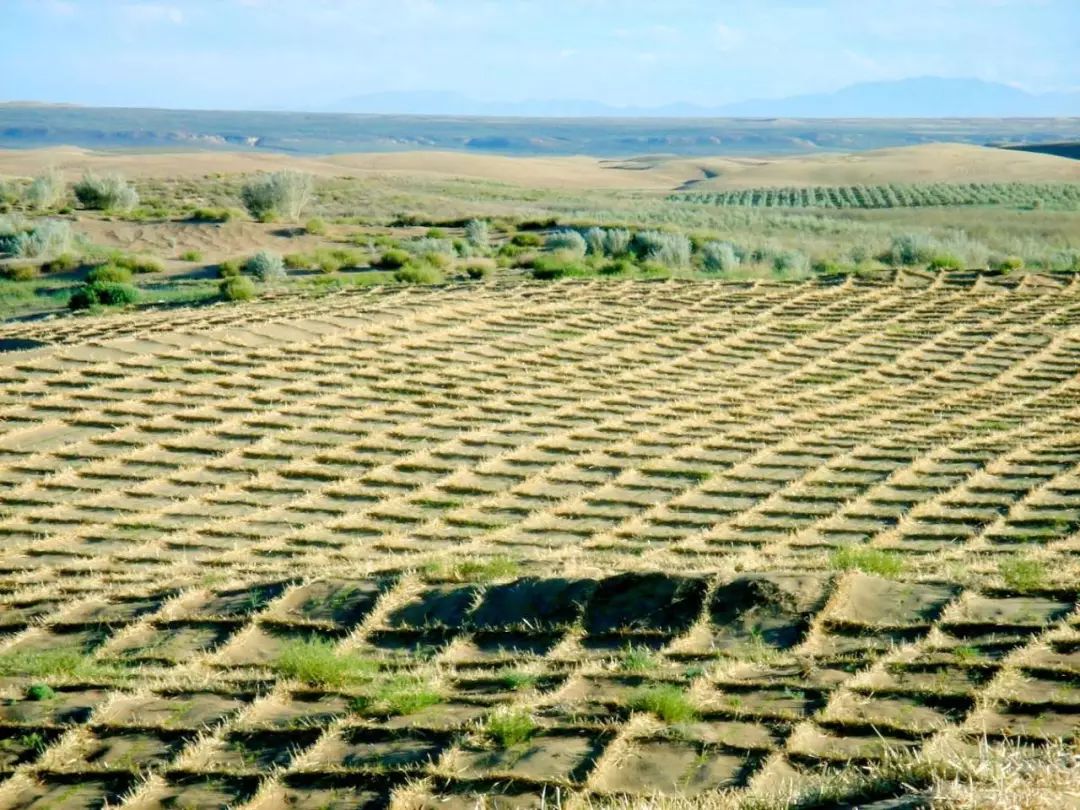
945 261
567 241
719 257
393 259
1007 264
267 266
668 249
137 264
20 272
297 261
826 267
618 267
110 193
211 215
64 263
315 226
527 240
550 268
477 271
109 274
230 268
191 256
45 191
279 194
910 249
102 293
478 234
418 274
237 288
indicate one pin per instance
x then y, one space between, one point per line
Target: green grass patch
867 560
669 703
54 663
473 570
1023 575
637 659
318 661
507 727
398 695
517 680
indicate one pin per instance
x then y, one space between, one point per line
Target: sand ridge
928 163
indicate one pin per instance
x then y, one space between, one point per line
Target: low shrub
237 288
1006 264
668 249
618 267
550 268
393 259
110 274
791 262
617 242
278 194
109 193
297 261
217 215
230 268
478 234
945 261
44 237
909 249
45 191
102 294
137 264
477 271
20 272
570 242
64 263
527 240
191 256
267 266
719 257
315 226
418 274
826 267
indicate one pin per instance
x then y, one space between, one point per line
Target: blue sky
305 54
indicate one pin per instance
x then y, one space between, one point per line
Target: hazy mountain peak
916 97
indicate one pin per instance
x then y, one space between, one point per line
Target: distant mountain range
926 97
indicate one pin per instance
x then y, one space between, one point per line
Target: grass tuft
318 661
670 703
507 727
1023 575
867 560
473 570
397 695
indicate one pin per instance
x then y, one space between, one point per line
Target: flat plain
741 543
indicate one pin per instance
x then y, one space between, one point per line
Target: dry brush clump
107 193
283 194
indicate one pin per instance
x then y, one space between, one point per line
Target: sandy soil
921 164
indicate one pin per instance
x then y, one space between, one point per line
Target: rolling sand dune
932 163
916 164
